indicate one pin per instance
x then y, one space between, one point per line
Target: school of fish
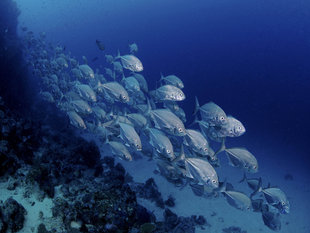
118 107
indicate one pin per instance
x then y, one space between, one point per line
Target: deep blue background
249 56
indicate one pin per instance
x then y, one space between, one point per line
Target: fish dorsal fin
118 56
197 106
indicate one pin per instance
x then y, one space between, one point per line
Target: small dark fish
100 45
288 176
272 220
24 29
94 59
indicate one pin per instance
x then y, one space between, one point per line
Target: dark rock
233 229
170 201
149 191
171 219
13 215
144 216
200 220
42 229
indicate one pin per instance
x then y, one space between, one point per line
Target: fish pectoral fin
207 189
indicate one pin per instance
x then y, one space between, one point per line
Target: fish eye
213 181
222 118
168 151
180 130
254 167
124 97
283 203
205 149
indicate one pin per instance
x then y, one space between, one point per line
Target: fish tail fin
222 188
152 94
106 139
146 128
244 178
114 76
149 107
196 121
196 106
125 112
181 157
118 55
111 113
222 148
258 189
61 97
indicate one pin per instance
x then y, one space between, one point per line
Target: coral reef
12 216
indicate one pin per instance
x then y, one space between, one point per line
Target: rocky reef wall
14 81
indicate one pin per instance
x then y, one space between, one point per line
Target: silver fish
62 62
129 135
131 84
87 72
201 171
196 141
241 157
116 91
238 200
76 120
130 62
77 73
86 92
54 78
137 119
277 198
143 84
99 112
120 150
176 109
109 72
166 120
233 128
211 113
168 93
272 220
161 143
172 80
81 106
133 48
109 58
117 67
46 96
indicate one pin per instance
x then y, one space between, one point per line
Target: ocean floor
218 212
291 177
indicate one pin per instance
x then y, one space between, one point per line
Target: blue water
249 57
